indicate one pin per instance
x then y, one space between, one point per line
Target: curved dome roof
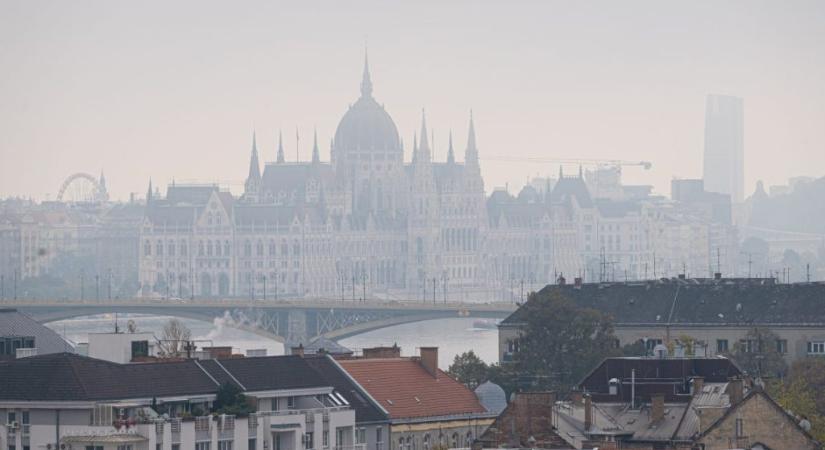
366 125
491 396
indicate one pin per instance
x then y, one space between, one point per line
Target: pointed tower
149 193
280 159
104 193
424 146
366 81
450 152
252 186
316 157
471 154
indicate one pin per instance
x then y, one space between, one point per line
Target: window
147 248
290 402
140 349
125 447
94 447
379 438
740 427
176 446
224 445
816 348
782 346
360 435
308 438
325 438
721 346
251 444
202 445
652 343
749 345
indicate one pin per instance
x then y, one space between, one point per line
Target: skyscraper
724 165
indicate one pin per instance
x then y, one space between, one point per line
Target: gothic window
200 248
247 248
259 248
182 248
209 218
296 248
272 248
208 248
217 218
171 245
217 248
226 248
147 248
159 248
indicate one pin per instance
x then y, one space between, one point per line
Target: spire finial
316 157
471 154
425 145
366 82
450 152
281 158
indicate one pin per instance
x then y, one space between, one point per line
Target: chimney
717 276
698 385
382 352
588 412
734 390
577 281
299 350
576 397
429 360
681 276
657 407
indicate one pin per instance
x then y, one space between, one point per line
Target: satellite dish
131 326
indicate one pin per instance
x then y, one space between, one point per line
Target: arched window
217 248
272 248
426 441
182 248
171 247
259 248
208 248
401 443
200 248
454 441
147 248
226 248
247 248
159 248
468 439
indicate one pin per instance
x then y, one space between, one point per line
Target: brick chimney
734 390
588 412
576 397
698 385
429 360
299 350
657 407
382 352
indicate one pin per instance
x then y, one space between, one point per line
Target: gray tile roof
14 324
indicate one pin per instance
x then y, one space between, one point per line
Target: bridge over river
289 322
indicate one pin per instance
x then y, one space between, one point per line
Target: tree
469 369
230 399
562 341
174 339
797 396
758 354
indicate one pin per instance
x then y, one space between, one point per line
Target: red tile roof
406 390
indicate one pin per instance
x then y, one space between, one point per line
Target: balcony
310 411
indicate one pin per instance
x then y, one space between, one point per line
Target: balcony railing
295 412
203 423
174 425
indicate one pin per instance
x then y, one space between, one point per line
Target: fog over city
378 225
173 91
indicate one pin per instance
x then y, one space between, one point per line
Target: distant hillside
802 210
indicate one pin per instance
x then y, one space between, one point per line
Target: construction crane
646 165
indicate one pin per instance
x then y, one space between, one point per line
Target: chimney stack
734 390
576 397
429 360
382 352
657 407
299 350
698 385
588 412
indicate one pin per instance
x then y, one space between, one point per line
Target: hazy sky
173 89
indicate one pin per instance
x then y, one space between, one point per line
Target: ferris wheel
81 188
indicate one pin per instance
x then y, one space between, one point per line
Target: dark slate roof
16 324
694 301
612 208
713 370
571 187
189 194
68 377
273 372
365 409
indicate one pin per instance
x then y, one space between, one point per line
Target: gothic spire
424 148
366 82
471 154
280 159
254 178
450 152
316 157
149 192
415 147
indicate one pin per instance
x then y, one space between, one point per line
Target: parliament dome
366 125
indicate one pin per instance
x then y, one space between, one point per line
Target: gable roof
366 408
70 377
419 395
13 323
758 392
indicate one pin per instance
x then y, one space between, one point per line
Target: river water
452 336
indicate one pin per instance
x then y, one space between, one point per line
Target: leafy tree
562 341
469 369
637 348
229 399
758 354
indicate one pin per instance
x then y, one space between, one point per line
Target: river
452 336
